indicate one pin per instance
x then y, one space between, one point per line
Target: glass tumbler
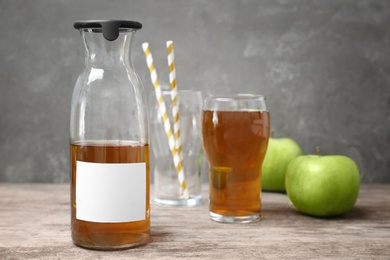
235 133
167 189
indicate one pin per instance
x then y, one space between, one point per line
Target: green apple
323 186
279 154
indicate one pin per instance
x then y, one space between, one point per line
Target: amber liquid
109 235
235 143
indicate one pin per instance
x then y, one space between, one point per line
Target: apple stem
318 151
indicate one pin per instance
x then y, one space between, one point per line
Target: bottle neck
103 53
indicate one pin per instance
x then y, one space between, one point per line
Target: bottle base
140 241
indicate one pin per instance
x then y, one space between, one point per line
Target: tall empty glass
167 189
235 133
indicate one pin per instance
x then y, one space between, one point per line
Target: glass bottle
109 142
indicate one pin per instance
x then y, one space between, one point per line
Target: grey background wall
323 65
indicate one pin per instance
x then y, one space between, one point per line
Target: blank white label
110 192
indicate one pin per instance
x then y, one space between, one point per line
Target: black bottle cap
110 27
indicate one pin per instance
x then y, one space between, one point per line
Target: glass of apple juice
235 133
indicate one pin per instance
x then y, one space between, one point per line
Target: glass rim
165 91
240 96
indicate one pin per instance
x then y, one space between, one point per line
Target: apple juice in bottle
109 142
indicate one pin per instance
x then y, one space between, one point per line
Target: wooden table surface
34 224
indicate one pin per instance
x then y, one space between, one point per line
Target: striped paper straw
175 105
164 115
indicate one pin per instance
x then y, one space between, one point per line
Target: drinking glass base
191 202
234 219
